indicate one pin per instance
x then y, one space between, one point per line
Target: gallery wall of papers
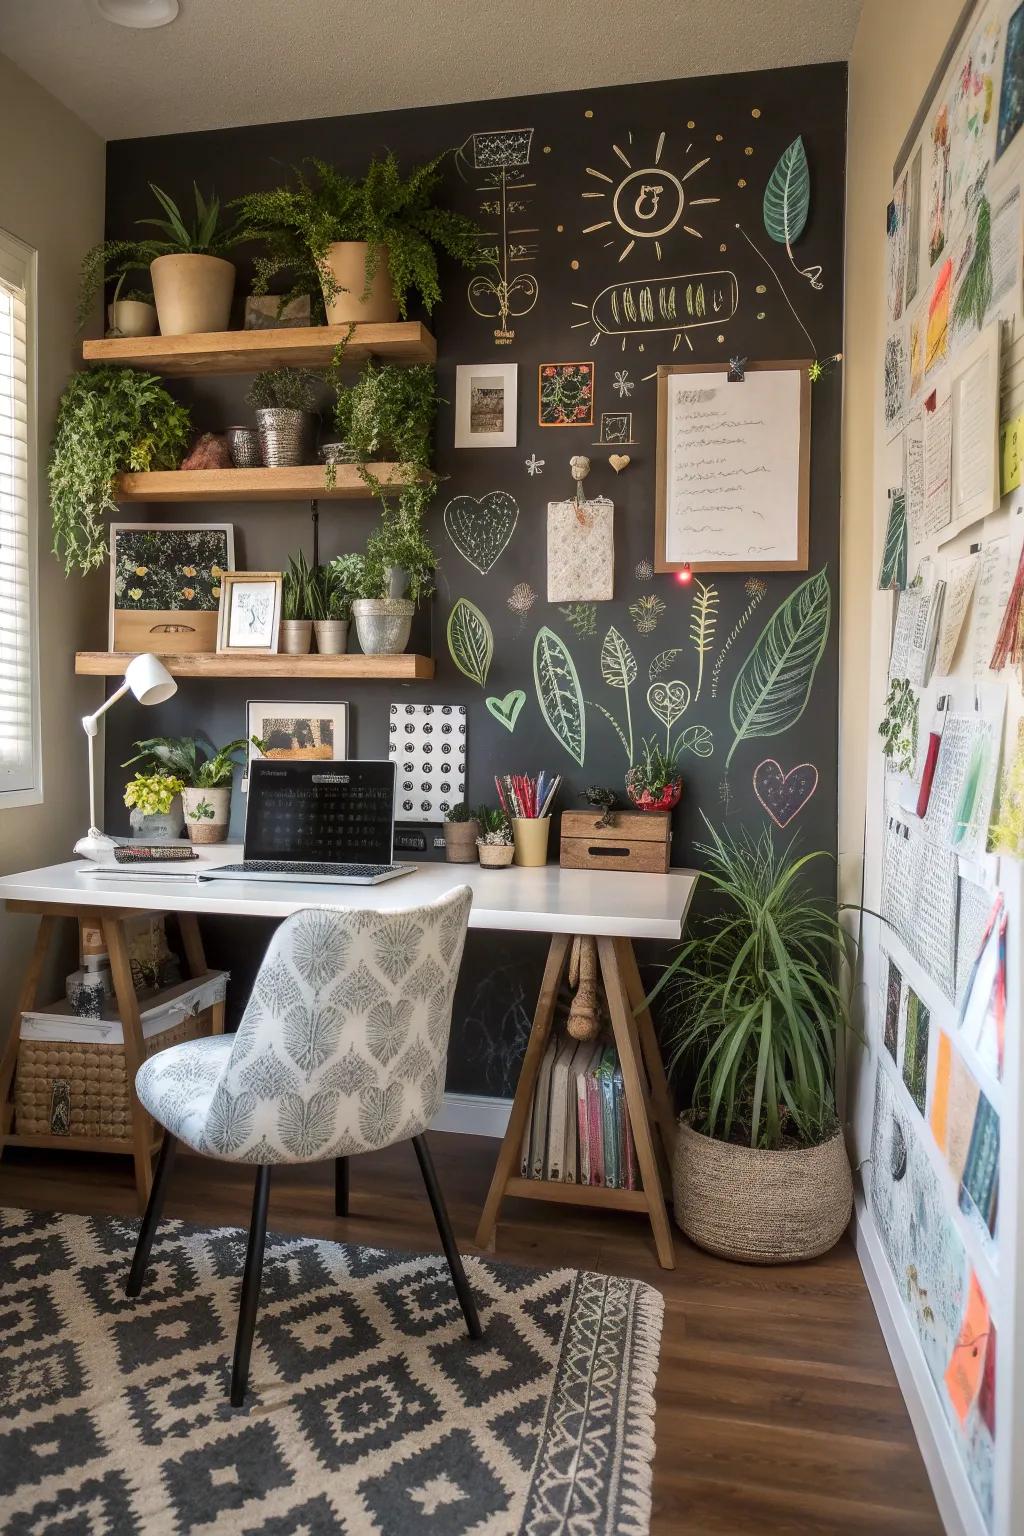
942 1185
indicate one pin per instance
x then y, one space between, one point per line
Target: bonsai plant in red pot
654 782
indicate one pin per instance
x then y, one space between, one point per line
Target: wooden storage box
635 840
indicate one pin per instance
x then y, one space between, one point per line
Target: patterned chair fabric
341 1049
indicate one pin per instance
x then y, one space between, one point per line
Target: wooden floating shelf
406 668
303 482
307 346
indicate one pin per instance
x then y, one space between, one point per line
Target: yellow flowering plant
152 793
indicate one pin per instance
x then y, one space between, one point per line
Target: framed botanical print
250 613
165 585
565 395
486 397
296 732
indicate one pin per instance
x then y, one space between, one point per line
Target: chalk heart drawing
506 710
480 527
784 795
667 701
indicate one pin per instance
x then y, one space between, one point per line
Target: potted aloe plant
495 845
653 782
284 401
204 773
357 247
331 606
754 1007
396 570
298 604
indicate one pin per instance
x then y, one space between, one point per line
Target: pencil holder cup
530 836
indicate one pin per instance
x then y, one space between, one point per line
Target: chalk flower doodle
787 202
559 694
498 164
481 527
784 795
622 384
647 202
645 613
653 306
534 466
644 570
774 683
582 617
506 710
755 589
566 395
521 599
470 641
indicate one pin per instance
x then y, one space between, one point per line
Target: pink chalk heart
784 795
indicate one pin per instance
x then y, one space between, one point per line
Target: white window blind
20 776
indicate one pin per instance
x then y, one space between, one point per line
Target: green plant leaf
774 683
559 694
698 740
703 623
663 661
470 640
618 664
787 197
892 577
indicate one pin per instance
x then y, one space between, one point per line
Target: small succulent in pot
654 782
284 400
495 845
461 830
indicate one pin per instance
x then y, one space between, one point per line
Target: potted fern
755 1009
357 247
284 401
204 773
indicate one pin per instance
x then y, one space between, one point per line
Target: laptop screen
321 813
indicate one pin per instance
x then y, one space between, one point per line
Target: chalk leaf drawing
653 306
582 617
773 685
558 693
506 710
787 202
618 668
755 589
663 661
703 623
784 795
698 740
470 641
645 612
668 702
480 527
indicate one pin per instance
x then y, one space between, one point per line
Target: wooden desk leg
134 1052
661 1096
631 1062
535 1048
195 956
26 999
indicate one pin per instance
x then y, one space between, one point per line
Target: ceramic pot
383 624
495 855
244 447
346 263
460 841
296 637
206 814
286 437
331 636
192 293
666 801
160 827
757 1206
132 317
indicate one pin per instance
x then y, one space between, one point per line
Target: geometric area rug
369 1411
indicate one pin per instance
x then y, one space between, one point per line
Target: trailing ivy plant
297 224
389 413
109 420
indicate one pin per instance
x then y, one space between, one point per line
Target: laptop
326 823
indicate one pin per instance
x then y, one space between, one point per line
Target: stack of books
578 1130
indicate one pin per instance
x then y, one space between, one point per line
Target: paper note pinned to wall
967 1363
939 1110
913 476
938 459
960 582
992 593
1011 442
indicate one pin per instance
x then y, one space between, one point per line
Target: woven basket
761 1207
96 1101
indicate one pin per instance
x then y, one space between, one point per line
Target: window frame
22 262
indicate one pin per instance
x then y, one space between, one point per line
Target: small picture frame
250 613
486 400
296 731
565 395
165 585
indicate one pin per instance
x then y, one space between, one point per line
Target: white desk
614 909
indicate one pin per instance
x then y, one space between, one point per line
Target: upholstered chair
341 1050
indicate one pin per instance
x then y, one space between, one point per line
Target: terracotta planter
346 262
666 801
761 1207
383 624
192 293
296 636
207 812
331 636
132 317
460 841
495 855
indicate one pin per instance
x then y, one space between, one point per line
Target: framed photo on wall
165 585
296 732
486 400
250 613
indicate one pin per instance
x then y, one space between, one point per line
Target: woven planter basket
761 1207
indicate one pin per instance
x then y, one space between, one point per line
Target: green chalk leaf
470 640
559 694
787 197
774 683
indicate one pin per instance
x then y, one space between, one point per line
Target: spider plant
753 997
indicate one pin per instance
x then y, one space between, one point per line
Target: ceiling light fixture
138 13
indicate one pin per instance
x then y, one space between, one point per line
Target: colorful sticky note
1011 441
939 1111
967 1363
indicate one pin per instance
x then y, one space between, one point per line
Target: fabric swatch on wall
581 551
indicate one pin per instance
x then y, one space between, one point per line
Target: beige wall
51 197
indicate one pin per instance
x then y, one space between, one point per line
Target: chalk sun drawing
646 202
497 163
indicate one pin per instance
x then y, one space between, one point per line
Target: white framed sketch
486 401
296 731
250 613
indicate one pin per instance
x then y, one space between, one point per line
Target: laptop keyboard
281 867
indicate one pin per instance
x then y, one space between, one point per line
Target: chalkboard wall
734 128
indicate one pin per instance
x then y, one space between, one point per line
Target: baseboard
474 1114
958 1509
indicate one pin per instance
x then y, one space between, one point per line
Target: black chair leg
341 1186
151 1220
250 1288
444 1230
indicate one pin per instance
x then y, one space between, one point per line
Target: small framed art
165 585
297 732
486 397
565 395
250 613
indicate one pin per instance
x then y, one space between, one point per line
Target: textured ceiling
234 62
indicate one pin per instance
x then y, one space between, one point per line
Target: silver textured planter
286 437
296 636
383 624
244 447
331 636
159 826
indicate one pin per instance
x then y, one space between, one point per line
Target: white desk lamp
149 680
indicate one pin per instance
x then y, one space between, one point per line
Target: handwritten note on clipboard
733 470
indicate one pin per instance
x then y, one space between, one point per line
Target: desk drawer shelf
407 668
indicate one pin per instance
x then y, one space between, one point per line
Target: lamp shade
149 680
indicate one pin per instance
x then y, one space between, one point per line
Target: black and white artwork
427 744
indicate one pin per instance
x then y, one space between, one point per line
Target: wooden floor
778 1409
